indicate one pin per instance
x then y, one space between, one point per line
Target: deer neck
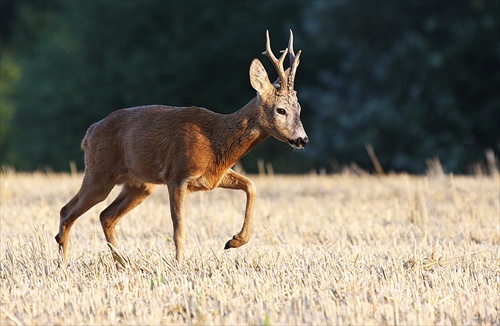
239 132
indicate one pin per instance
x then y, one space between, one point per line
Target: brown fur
186 148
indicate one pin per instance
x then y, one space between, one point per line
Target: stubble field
338 249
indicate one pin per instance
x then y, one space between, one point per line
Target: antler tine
290 48
294 62
278 64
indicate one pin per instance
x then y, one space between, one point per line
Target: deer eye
281 111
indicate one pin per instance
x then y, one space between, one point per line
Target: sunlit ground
339 249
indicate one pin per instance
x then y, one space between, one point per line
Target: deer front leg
233 180
177 192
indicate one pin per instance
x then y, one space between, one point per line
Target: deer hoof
235 242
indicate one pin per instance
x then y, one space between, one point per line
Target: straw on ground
325 250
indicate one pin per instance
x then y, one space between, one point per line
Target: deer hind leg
92 191
233 180
130 196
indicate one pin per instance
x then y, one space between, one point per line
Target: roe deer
186 148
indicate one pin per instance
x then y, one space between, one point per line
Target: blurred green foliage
10 72
416 79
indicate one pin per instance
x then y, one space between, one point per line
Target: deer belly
203 183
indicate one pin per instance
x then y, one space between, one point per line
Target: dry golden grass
325 250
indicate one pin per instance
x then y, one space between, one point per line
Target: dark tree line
415 79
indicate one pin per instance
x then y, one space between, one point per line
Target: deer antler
294 61
278 64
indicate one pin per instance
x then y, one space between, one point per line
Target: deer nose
302 141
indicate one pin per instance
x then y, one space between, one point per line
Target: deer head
280 108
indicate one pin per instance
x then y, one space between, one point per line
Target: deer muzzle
299 142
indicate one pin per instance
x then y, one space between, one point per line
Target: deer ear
258 78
